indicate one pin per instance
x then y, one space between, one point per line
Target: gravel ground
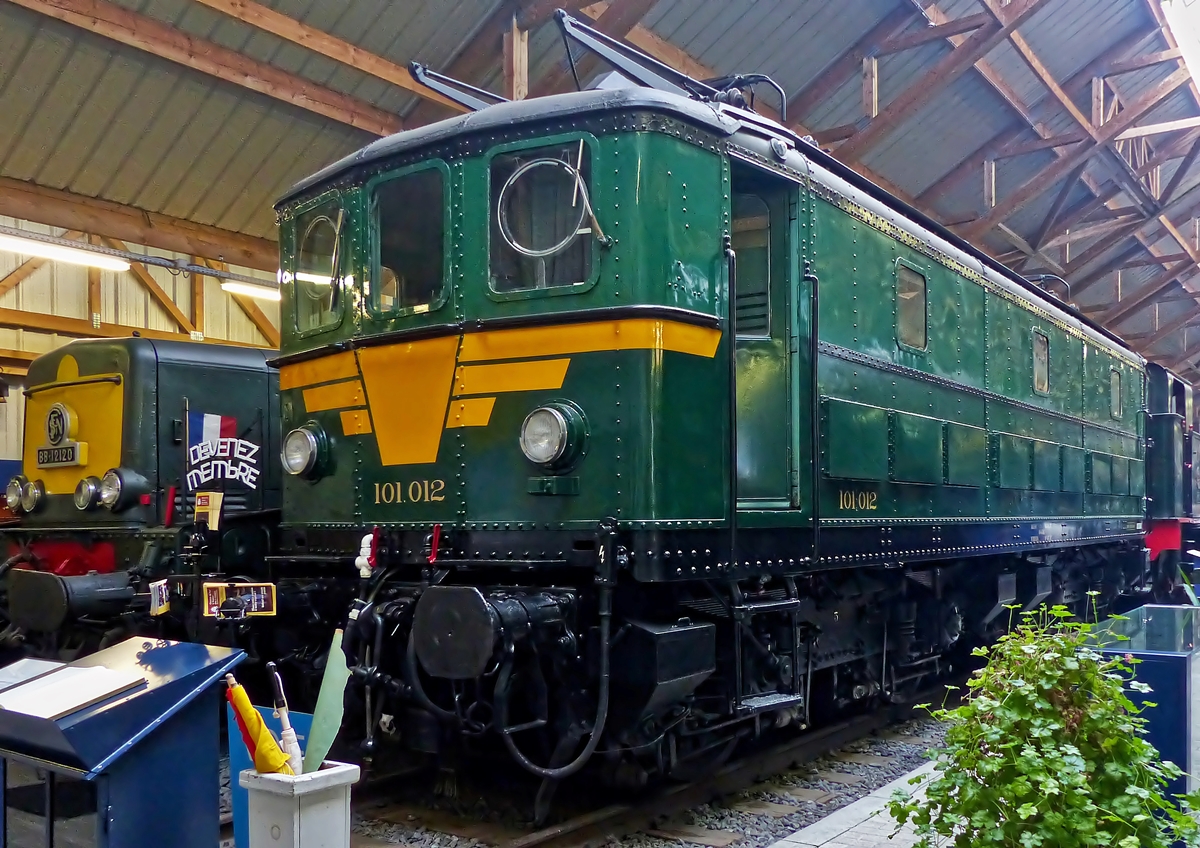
757 829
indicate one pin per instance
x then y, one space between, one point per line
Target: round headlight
300 448
544 435
87 493
32 494
12 494
110 488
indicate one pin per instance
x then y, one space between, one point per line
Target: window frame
740 334
592 145
1035 334
344 257
372 265
1116 405
924 275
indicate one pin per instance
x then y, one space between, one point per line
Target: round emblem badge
58 424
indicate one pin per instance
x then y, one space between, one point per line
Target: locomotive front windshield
540 216
317 286
408 216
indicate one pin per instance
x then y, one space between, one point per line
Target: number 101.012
418 491
848 499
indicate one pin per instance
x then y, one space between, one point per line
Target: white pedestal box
300 811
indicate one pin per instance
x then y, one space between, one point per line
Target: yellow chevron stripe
355 422
510 377
334 396
340 366
628 334
472 412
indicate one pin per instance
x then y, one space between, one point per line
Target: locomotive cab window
317 284
752 243
541 217
1114 393
911 328
409 242
1041 363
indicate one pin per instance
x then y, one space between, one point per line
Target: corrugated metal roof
85 114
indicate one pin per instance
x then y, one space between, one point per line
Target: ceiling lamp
261 292
45 250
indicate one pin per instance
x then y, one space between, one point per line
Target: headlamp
87 493
12 493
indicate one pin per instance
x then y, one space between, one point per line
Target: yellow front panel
99 420
355 422
408 389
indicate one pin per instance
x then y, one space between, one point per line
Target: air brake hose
414 682
579 762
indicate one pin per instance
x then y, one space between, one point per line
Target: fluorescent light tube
250 290
45 250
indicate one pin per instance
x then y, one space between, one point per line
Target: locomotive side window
541 218
318 287
911 328
752 242
1114 393
408 217
1041 363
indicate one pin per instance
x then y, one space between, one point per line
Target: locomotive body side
517 417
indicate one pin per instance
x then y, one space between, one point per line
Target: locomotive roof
724 121
216 356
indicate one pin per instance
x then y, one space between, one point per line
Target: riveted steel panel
854 443
1137 478
966 455
1099 474
1074 476
1046 468
1120 475
1012 455
916 445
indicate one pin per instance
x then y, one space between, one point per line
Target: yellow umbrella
268 757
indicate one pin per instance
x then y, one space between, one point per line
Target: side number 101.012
418 491
850 499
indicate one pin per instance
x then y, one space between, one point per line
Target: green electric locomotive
646 426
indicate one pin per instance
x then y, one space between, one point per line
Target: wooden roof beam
932 32
251 310
102 217
152 36
1144 295
945 72
849 63
20 319
1049 176
324 44
142 274
1167 329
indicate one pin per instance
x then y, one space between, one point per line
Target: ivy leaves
1048 750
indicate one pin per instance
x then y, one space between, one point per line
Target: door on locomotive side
769 323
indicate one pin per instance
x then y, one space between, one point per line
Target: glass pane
411 238
317 286
752 243
1114 393
1041 363
910 308
540 230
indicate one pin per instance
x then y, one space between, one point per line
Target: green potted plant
1047 749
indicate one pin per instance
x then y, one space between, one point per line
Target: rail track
659 807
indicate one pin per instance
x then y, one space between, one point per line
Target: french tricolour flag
203 427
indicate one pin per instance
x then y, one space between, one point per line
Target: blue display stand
137 769
239 759
1167 641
